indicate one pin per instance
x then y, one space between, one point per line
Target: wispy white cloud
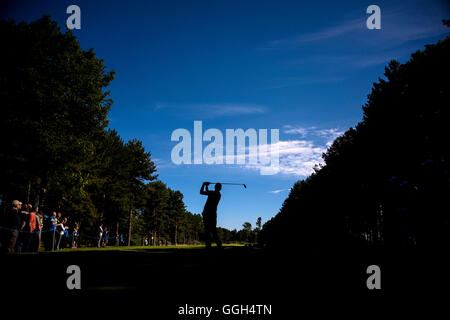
296 157
295 130
161 163
278 191
331 32
299 157
404 32
345 62
303 80
397 28
228 109
160 105
214 110
329 134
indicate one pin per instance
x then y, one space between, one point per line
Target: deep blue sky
304 67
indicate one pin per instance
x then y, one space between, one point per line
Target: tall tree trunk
154 227
103 208
42 199
176 231
129 227
117 234
43 190
36 199
28 192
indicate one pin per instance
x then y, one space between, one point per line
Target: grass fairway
155 280
137 269
140 248
160 279
234 270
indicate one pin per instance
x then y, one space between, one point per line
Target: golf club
236 184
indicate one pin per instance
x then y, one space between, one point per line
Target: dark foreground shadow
160 281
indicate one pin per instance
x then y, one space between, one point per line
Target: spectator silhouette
210 213
30 226
75 235
13 224
100 235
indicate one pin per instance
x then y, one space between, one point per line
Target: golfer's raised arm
202 189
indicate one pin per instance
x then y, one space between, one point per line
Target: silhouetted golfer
210 213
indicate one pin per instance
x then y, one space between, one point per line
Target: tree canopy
384 181
57 151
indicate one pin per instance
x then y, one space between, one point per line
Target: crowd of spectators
24 228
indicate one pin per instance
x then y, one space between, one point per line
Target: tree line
58 153
386 181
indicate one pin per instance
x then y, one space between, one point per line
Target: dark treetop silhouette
386 181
